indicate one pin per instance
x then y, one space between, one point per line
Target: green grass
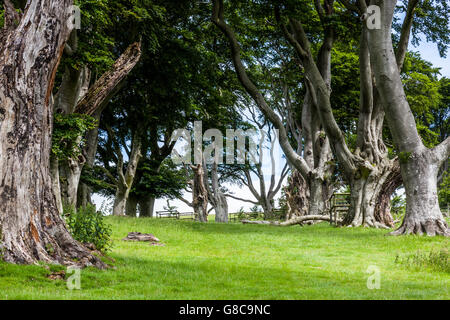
234 261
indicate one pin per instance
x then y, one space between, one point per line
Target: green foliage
404 156
444 191
423 92
168 207
167 181
436 259
89 226
345 84
398 207
255 212
279 215
67 133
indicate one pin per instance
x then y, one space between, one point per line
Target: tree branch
241 199
218 20
405 33
104 87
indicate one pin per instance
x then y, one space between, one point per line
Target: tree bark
423 215
297 196
125 180
131 206
219 200
31 227
369 194
146 207
383 203
75 84
199 194
89 151
56 186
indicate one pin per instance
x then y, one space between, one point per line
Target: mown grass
234 261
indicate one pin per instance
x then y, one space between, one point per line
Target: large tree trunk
383 203
147 206
297 196
423 214
319 196
56 186
216 197
31 226
419 165
125 180
90 149
371 191
120 200
221 208
199 194
131 206
70 174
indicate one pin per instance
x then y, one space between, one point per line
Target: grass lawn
234 261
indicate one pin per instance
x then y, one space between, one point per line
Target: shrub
435 259
88 226
279 215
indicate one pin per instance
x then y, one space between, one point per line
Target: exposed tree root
430 227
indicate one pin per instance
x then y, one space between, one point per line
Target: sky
428 52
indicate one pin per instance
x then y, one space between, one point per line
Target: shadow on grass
323 229
219 279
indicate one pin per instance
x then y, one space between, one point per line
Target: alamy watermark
74 281
74 21
374 279
372 17
234 146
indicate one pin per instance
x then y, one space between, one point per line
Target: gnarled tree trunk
297 196
423 215
199 194
31 226
419 165
367 190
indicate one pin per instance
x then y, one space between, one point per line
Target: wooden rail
340 203
175 215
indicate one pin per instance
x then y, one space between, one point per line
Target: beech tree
370 171
75 96
419 164
31 45
266 195
313 163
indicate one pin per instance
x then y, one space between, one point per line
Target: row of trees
93 110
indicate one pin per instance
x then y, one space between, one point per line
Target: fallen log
137 236
291 222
